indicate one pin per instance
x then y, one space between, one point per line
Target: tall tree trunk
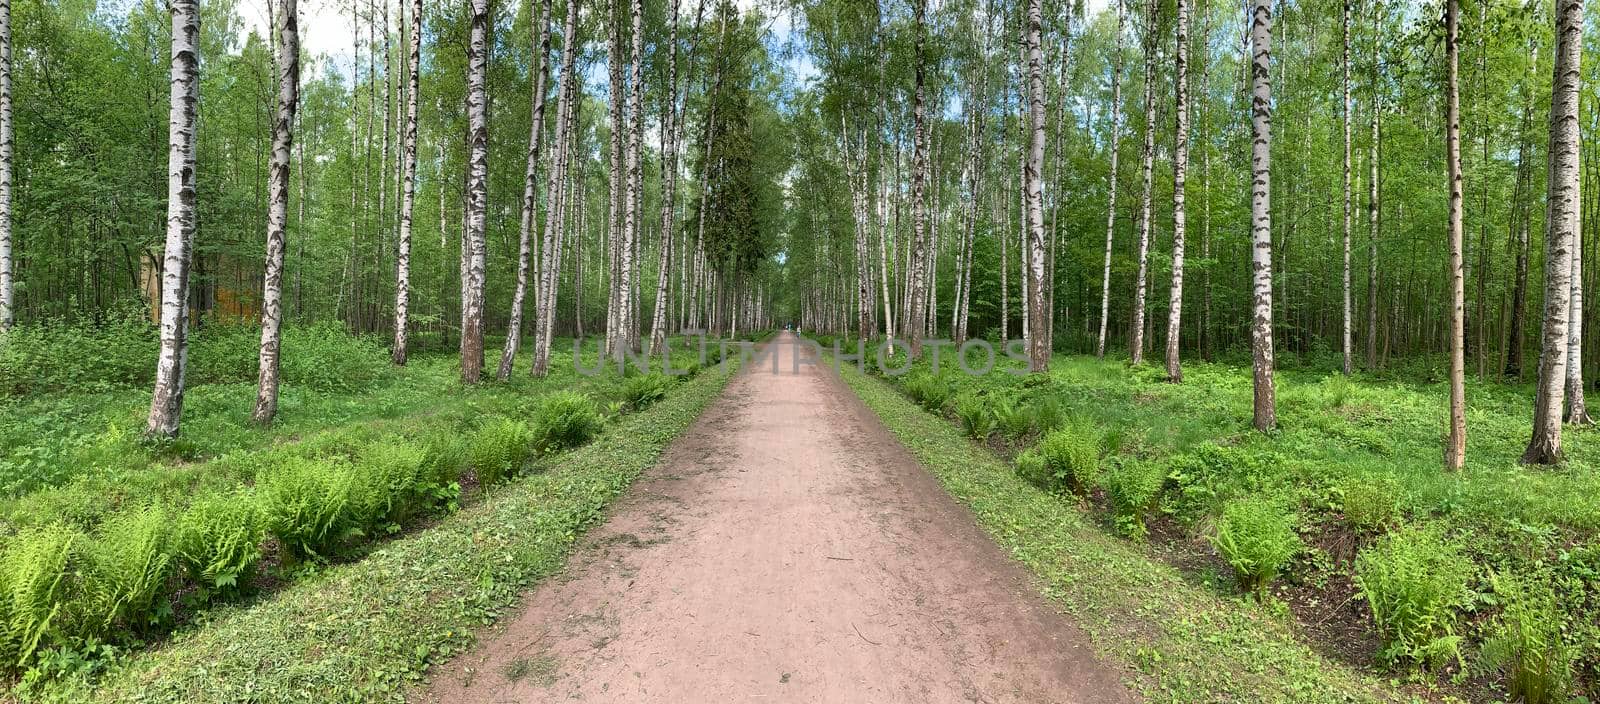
919 188
1038 312
540 31
618 95
1111 180
278 211
1455 451
1265 397
634 215
1577 411
1345 67
670 132
1180 163
474 254
1561 232
166 404
1519 292
408 185
1148 156
549 264
8 301
1374 209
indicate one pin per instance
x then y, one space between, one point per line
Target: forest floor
788 547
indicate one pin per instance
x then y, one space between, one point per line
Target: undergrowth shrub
1210 475
973 413
564 420
218 540
1072 458
125 570
1257 537
1048 414
444 457
33 573
499 448
1525 643
928 391
1415 580
1012 419
643 391
305 504
1371 503
1133 486
384 485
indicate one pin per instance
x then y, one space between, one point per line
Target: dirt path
785 549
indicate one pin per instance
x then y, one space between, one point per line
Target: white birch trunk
1265 397
530 191
1037 313
278 211
670 134
408 186
474 253
549 265
1148 161
1455 449
166 404
8 301
1111 185
1180 165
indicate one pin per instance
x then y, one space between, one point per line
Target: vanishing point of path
786 548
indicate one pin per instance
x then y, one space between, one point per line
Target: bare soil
785 549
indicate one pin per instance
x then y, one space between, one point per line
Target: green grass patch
1187 644
365 631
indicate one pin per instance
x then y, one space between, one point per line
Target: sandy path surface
785 549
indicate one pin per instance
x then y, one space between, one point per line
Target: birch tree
1038 313
1345 67
1265 398
474 245
8 301
1561 232
549 262
540 37
1180 165
408 185
278 211
1455 450
670 134
1111 179
635 210
919 187
1147 169
166 403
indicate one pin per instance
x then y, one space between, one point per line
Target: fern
219 539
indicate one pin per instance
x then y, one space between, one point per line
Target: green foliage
1134 487
643 391
1013 419
82 356
499 448
564 420
34 575
929 391
384 485
305 504
974 415
1415 580
1257 537
1525 644
444 456
125 569
1208 476
218 539
1072 459
1371 504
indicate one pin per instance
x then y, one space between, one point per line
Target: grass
368 630
1187 644
1354 459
